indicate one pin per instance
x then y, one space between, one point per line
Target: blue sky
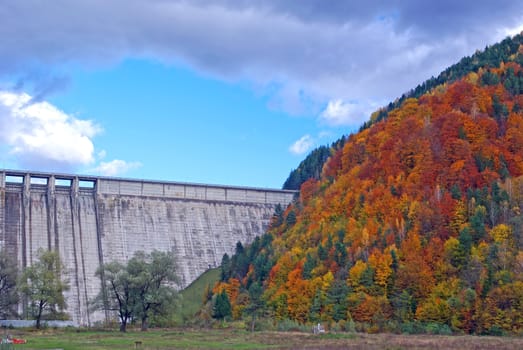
215 91
173 123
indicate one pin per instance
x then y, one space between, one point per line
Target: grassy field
233 339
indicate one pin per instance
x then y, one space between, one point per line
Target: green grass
337 336
192 296
157 339
243 340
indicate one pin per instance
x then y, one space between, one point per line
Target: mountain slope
507 50
415 222
311 166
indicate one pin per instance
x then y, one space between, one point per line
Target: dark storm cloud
365 52
431 18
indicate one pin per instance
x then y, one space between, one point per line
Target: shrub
437 328
264 324
290 325
495 330
344 326
412 328
392 326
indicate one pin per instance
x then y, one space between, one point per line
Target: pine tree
225 272
308 266
337 297
222 306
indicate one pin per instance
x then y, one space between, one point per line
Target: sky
215 91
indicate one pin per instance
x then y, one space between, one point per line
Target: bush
392 326
495 330
350 326
412 328
263 324
290 325
344 326
445 330
241 325
437 328
362 327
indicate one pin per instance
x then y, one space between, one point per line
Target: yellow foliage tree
355 274
381 263
501 233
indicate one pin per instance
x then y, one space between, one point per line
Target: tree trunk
144 324
39 315
123 326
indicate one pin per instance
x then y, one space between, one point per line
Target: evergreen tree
309 168
222 306
500 109
465 242
239 262
323 254
337 297
489 78
291 218
404 306
255 303
225 268
456 192
308 266
316 307
262 266
277 218
367 277
340 252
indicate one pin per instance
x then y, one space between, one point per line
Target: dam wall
94 220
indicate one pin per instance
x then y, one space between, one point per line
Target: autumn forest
413 224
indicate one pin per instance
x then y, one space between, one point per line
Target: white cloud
339 112
511 31
301 146
41 136
116 167
312 51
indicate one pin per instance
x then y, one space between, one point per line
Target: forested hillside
492 56
415 223
311 166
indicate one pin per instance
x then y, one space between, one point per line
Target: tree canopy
416 221
139 289
42 285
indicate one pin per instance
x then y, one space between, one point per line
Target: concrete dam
93 220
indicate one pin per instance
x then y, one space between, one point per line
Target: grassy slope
192 296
